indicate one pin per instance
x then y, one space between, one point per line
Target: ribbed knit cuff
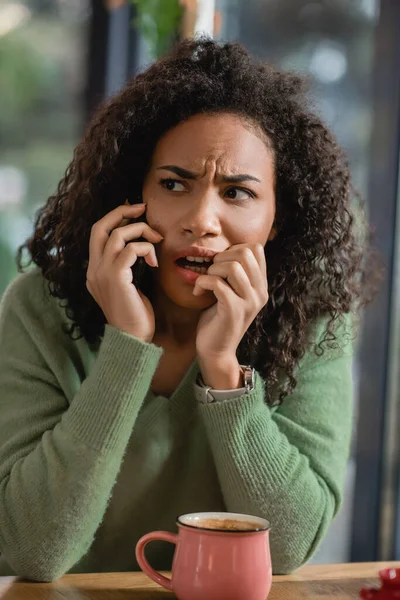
242 433
103 412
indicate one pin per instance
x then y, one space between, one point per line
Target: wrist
221 374
136 334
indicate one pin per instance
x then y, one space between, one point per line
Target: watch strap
206 395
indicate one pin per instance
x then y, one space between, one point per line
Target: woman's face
210 185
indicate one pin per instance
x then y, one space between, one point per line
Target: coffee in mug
226 524
218 556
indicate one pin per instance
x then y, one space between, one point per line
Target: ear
272 234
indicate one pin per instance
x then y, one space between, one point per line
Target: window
42 77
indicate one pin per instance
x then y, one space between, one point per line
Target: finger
130 253
234 273
101 229
222 291
259 253
229 254
246 256
260 282
122 235
126 221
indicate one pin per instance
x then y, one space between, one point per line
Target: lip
187 275
197 251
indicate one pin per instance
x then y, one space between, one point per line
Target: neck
173 323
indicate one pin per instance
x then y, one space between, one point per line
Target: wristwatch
206 395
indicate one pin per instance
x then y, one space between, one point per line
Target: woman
149 367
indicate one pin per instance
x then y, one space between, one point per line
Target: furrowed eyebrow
185 174
239 178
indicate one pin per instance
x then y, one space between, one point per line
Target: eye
173 185
238 193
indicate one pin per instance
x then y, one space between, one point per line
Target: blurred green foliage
42 64
158 21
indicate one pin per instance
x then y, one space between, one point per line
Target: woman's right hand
109 277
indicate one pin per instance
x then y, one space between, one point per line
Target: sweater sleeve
287 464
59 457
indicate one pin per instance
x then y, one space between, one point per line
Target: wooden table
339 582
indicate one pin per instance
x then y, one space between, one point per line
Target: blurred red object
390 587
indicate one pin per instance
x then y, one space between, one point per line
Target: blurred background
60 58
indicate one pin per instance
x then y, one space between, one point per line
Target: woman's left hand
238 279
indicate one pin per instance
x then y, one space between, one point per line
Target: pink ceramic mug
218 556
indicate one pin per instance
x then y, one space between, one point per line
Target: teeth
198 259
201 270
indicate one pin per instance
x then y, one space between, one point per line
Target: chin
185 299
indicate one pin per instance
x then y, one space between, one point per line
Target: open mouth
195 266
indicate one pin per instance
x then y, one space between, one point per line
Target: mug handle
164 536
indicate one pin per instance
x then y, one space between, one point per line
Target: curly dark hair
315 263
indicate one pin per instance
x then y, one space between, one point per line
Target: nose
202 216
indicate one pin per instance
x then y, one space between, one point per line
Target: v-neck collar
182 401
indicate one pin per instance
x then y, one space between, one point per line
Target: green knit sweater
90 459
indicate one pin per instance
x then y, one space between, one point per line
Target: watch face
248 375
